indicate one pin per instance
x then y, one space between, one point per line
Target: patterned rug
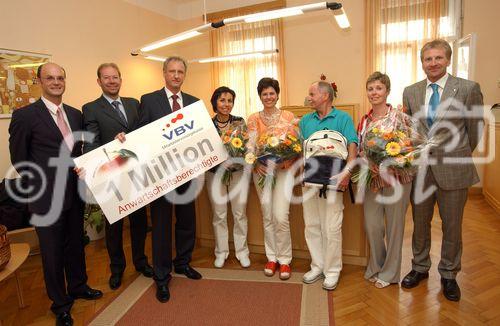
222 297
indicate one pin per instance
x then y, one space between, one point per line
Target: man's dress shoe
162 293
188 271
89 294
64 319
115 281
413 278
147 271
451 290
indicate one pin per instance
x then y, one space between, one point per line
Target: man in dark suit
155 106
107 117
41 133
450 113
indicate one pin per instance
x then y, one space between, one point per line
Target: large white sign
153 161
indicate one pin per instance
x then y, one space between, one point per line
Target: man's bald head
48 65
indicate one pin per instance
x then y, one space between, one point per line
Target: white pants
220 195
323 230
275 205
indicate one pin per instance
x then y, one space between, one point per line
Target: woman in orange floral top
275 201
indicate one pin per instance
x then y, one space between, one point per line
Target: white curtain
397 30
243 75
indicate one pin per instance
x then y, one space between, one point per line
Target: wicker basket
4 247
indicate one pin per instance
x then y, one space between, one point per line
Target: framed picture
18 83
465 57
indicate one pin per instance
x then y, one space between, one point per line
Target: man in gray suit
107 117
449 110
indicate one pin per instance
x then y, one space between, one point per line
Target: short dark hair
39 70
383 78
268 82
174 58
218 92
437 43
106 65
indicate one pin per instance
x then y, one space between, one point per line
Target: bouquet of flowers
235 140
278 145
394 142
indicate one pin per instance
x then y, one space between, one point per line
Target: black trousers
185 233
114 241
63 258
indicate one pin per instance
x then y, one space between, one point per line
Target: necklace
222 124
272 118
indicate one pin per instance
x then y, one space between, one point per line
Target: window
397 30
243 75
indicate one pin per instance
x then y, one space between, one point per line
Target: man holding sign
154 106
106 117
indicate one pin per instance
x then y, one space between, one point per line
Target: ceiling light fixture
267 15
342 19
176 38
240 56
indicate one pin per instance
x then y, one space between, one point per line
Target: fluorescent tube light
154 57
287 12
239 56
175 38
341 19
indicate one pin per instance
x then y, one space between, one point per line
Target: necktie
116 105
64 128
433 104
175 105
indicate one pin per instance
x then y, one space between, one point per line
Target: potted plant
93 223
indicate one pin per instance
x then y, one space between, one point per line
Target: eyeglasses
51 79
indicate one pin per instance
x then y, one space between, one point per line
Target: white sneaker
312 276
330 283
219 262
244 262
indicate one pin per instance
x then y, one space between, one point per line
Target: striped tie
116 105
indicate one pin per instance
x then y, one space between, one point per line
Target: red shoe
285 272
270 268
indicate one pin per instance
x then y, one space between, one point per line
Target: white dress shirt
428 91
171 101
53 111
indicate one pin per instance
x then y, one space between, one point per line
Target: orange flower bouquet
235 140
277 145
393 142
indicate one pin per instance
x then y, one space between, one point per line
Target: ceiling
187 9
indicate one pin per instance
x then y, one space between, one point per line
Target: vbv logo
179 130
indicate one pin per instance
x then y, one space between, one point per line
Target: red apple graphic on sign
116 160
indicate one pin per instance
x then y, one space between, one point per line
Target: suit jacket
468 100
35 138
156 105
101 119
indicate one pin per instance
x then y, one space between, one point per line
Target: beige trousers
323 230
384 226
220 195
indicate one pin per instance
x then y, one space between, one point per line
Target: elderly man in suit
450 112
41 133
154 106
106 118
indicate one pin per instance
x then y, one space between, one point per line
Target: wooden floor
356 301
